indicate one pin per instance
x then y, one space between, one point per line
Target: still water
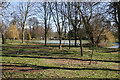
116 45
63 41
72 42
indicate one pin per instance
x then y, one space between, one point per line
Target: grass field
34 60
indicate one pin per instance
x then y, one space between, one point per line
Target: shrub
28 36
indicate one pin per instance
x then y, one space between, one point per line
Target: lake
66 42
116 45
63 41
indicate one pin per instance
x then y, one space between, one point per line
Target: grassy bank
34 60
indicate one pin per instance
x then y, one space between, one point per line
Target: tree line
72 20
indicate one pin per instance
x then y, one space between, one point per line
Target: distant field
34 60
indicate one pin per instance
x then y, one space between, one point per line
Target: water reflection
66 42
116 45
63 42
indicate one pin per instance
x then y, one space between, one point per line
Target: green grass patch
34 60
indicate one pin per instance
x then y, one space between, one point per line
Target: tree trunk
3 39
45 23
119 34
45 37
75 37
69 14
119 24
69 42
60 45
76 22
23 35
23 26
81 47
92 54
69 37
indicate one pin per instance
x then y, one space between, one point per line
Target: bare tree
25 18
25 10
115 11
73 18
3 6
59 18
45 19
44 8
86 12
69 17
